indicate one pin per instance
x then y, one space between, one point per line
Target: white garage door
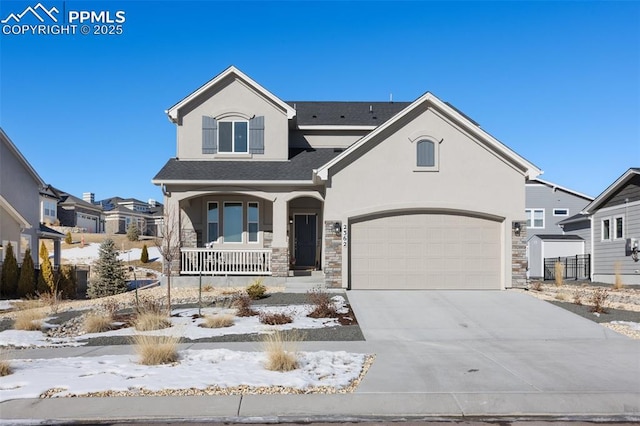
87 222
425 251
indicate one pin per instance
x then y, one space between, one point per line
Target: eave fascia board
553 185
234 182
529 169
334 127
15 214
172 112
591 207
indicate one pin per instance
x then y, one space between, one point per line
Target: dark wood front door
305 240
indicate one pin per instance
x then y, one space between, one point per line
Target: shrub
560 296
10 272
280 352
617 284
207 288
148 321
148 304
29 320
323 306
68 285
5 368
242 302
46 278
558 270
97 323
144 255
68 239
578 294
51 300
156 350
277 318
218 321
132 231
109 279
599 299
256 290
536 285
27 281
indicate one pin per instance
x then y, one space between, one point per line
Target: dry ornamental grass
97 323
156 350
148 321
280 351
5 368
218 321
30 320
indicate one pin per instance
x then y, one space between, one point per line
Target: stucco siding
233 99
539 196
608 253
324 139
470 178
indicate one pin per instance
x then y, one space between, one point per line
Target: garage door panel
422 251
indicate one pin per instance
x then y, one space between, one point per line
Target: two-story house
20 221
555 226
615 230
121 212
376 195
80 214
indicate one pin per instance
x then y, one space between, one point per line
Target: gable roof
298 168
312 115
67 199
562 188
580 217
618 184
561 237
529 169
172 112
13 148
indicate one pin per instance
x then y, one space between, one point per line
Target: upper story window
535 218
427 152
233 136
561 212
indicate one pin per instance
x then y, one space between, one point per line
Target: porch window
213 220
252 222
233 136
232 223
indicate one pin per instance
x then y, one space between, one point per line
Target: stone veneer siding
519 255
332 256
279 261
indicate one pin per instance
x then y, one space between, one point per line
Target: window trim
532 219
209 240
559 214
614 234
233 132
602 228
416 139
257 222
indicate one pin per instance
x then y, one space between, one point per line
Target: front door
305 240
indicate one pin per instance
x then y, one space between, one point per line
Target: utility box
631 246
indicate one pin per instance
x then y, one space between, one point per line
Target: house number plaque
344 235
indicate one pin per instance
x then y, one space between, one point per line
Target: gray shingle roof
559 237
299 167
345 113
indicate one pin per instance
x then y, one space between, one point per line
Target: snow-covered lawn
89 253
197 369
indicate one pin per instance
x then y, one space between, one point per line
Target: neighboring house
74 212
49 198
615 230
20 187
121 212
376 195
555 226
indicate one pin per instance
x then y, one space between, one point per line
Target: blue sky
558 82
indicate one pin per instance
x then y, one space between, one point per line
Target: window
252 222
606 229
212 222
49 209
619 227
426 154
232 222
561 212
535 218
233 136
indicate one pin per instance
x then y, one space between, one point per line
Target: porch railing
195 261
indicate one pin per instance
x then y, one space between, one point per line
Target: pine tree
109 277
133 233
46 279
144 255
68 239
27 281
68 284
9 273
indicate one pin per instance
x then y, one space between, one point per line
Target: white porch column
280 244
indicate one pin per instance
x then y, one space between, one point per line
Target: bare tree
169 244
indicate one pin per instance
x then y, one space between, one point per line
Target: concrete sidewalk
438 355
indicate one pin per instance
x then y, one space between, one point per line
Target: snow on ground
632 325
195 369
185 326
6 305
89 253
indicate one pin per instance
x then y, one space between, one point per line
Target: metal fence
576 267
